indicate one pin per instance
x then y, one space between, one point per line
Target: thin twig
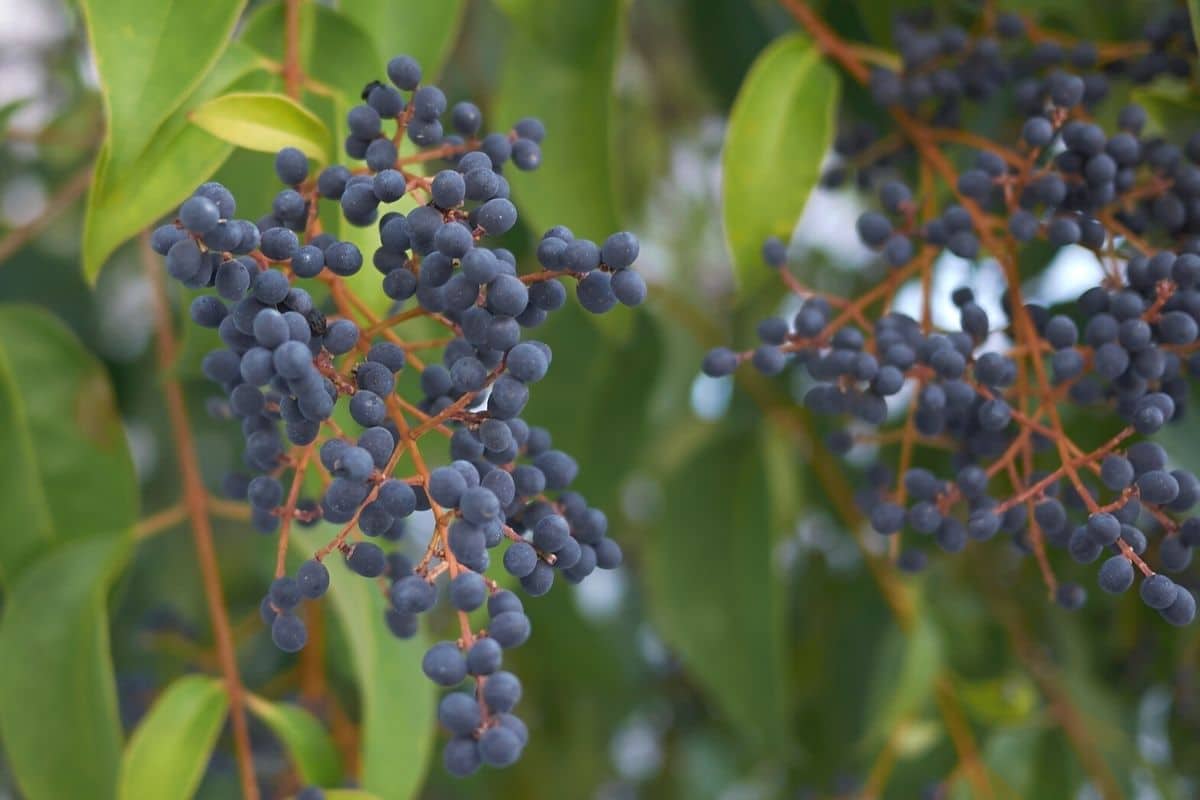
160 521
61 200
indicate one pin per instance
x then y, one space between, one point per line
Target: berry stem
288 511
293 73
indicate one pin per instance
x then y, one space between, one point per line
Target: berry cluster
291 355
945 70
985 402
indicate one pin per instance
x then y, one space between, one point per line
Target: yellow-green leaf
264 121
167 754
308 743
779 130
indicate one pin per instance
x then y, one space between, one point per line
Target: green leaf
306 740
904 681
323 31
150 55
124 199
1194 14
596 404
167 754
727 35
58 702
1034 763
1171 106
350 794
712 589
398 719
266 122
67 470
780 128
423 30
559 66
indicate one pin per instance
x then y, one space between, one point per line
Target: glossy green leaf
264 121
308 744
425 31
559 66
167 753
780 128
67 470
137 46
712 589
323 30
58 702
124 199
398 705
350 794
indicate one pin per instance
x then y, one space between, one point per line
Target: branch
196 501
66 195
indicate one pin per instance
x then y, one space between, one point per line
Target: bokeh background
755 644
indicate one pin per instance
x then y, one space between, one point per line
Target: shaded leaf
137 46
67 470
559 67
264 121
904 682
323 30
1171 106
58 702
1194 15
610 386
398 720
167 753
125 199
725 36
425 31
780 128
308 743
711 588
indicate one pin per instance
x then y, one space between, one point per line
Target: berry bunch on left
292 356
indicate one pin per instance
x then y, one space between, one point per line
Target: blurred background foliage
755 645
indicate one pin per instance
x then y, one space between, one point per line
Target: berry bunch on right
963 430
